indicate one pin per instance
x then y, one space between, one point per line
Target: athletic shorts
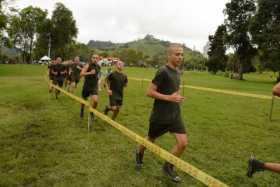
58 81
75 79
89 92
115 101
68 77
158 129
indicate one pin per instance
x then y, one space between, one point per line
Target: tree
239 14
63 30
129 56
3 17
265 29
44 35
3 23
217 50
194 60
32 19
24 27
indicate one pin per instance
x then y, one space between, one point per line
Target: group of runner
70 72
66 73
164 89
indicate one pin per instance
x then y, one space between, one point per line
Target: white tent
45 58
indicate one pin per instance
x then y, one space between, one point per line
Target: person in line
115 83
166 112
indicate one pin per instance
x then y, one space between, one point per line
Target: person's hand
109 92
92 72
176 98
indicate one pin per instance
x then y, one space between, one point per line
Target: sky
183 21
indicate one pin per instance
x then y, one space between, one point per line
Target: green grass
44 143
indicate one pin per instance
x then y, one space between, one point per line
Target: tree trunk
25 52
240 71
30 50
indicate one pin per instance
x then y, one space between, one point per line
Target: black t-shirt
167 81
117 82
50 67
75 71
59 68
91 81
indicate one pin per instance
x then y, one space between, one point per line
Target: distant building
10 52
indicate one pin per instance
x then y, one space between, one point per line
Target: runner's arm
152 92
107 85
125 81
53 72
85 69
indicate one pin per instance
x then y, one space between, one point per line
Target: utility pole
49 45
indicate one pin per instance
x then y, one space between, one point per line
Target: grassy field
44 143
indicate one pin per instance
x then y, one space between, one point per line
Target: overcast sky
184 21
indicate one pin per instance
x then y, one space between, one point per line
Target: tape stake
271 108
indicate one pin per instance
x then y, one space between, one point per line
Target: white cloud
184 21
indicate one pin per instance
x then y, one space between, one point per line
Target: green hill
149 49
149 45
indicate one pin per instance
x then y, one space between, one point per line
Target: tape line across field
179 163
258 96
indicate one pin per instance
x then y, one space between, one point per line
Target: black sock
168 164
91 115
82 112
259 165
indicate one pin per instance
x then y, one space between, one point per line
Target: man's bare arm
85 69
175 97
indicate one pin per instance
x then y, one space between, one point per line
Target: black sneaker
168 170
138 159
254 166
106 110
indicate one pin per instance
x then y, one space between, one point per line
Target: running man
115 83
90 89
75 70
257 166
166 112
59 72
51 76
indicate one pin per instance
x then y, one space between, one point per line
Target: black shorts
89 92
51 77
58 81
158 129
68 77
115 101
75 79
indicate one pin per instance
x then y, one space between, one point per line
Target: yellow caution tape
184 166
258 96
